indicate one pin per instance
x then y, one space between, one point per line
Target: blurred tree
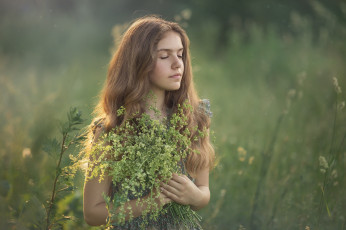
229 14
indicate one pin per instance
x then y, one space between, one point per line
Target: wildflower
222 192
26 153
186 14
241 227
251 160
334 173
341 105
307 227
31 182
241 153
336 85
323 162
291 93
177 18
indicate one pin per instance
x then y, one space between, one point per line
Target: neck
156 100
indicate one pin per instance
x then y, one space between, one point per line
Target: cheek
156 73
182 62
159 68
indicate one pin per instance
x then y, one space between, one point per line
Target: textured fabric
163 222
205 105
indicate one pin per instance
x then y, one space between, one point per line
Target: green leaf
34 213
52 147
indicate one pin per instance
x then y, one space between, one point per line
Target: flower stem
57 174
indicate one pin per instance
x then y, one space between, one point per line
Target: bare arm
202 182
94 206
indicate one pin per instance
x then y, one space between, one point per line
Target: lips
176 76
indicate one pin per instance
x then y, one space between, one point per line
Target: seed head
323 162
336 85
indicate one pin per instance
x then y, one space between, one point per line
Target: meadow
278 120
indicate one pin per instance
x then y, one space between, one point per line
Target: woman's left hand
181 190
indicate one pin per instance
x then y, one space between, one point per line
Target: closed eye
165 57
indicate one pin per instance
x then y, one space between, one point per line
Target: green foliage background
267 68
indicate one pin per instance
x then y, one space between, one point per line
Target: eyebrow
169 50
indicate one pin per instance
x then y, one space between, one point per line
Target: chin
174 88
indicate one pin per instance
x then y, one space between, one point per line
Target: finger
164 198
174 184
170 195
170 189
171 183
167 200
178 178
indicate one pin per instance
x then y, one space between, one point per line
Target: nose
177 63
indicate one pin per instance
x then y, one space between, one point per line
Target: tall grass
274 98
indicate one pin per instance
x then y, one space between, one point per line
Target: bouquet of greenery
138 156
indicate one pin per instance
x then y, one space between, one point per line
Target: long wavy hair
127 84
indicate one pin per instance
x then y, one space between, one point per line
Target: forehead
171 40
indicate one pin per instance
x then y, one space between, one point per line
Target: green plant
63 181
328 167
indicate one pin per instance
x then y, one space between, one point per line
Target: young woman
153 56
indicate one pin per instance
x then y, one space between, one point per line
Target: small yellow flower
241 154
251 160
307 228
